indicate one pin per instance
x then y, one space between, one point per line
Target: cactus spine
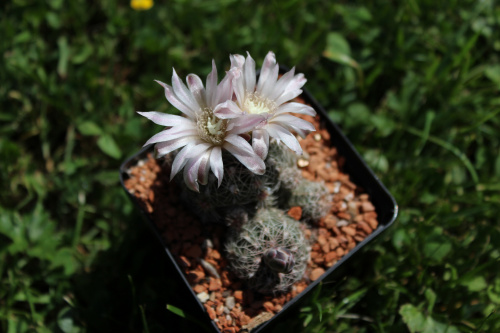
313 197
269 251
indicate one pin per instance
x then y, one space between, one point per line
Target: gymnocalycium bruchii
235 144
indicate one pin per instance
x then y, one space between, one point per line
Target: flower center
256 104
211 128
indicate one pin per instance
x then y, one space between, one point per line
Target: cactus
264 246
268 250
239 187
280 156
285 162
238 154
313 197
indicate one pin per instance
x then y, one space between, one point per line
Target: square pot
359 174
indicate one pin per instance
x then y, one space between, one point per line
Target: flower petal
295 108
292 90
176 102
183 92
287 96
267 67
180 160
228 110
293 122
198 150
191 173
281 85
237 60
245 123
301 133
297 83
204 168
211 84
249 74
225 88
165 119
163 148
280 133
267 86
196 87
238 84
260 143
171 134
216 163
238 141
249 159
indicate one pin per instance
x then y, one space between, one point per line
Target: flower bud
279 259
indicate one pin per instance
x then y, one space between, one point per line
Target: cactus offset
313 197
285 162
269 251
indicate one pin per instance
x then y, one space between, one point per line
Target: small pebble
238 296
330 256
349 196
207 244
342 223
268 306
209 268
367 206
365 227
211 313
316 273
199 288
330 222
336 187
214 285
295 212
302 163
349 231
230 302
203 297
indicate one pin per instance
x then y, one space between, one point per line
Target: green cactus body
280 156
285 162
268 250
239 187
313 197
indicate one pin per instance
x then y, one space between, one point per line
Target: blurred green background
414 84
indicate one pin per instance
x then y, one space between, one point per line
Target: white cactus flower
199 132
267 98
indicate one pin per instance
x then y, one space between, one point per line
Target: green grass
415 85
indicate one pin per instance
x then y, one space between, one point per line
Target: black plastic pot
359 173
